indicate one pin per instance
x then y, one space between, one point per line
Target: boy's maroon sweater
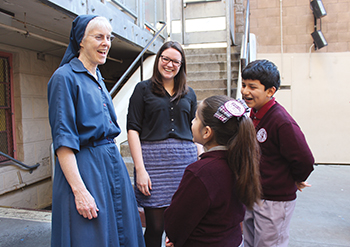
286 157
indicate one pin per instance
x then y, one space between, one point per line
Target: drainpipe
282 74
228 48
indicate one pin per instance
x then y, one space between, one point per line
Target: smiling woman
93 203
95 44
159 134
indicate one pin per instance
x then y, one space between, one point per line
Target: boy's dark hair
264 71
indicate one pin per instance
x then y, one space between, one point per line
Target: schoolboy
286 160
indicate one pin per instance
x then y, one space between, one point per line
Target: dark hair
264 71
180 85
239 137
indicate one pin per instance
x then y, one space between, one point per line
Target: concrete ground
322 213
321 217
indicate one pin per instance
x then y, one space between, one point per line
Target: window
6 107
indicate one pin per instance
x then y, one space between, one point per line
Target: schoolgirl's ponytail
235 131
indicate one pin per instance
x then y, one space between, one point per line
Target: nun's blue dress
82 117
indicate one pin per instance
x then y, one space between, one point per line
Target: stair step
194 51
210 65
209 84
126 155
220 57
219 83
204 93
210 75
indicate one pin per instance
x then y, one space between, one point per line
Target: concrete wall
33 136
318 80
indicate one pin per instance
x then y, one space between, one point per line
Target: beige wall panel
318 100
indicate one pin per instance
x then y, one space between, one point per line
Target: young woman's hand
143 182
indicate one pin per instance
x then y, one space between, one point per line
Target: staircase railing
245 50
18 163
116 87
245 54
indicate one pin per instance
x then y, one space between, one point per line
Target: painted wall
316 82
318 100
19 188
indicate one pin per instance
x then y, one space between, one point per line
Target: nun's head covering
76 35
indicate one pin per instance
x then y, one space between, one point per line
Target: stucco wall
318 80
319 100
33 136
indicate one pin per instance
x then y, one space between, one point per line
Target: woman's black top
157 117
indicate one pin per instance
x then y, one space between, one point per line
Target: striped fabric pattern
165 162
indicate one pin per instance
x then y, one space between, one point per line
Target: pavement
321 217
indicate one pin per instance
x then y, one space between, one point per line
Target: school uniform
205 210
285 159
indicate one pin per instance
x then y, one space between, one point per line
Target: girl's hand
143 182
168 243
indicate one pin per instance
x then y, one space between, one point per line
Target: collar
217 148
254 114
78 66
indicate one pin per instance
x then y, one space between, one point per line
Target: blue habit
82 117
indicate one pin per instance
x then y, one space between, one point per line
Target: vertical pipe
228 48
183 4
141 68
281 16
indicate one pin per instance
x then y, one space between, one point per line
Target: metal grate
6 138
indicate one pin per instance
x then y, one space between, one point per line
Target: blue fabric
81 113
81 109
76 35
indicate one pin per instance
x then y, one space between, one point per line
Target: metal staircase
206 71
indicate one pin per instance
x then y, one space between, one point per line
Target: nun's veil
76 35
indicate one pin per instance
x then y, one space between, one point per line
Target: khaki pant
267 225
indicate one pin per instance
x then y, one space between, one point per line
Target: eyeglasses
167 60
101 37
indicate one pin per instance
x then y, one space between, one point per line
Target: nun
93 203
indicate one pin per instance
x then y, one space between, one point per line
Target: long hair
239 137
180 85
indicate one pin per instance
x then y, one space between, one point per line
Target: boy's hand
168 243
302 185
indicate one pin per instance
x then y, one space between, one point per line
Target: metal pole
114 89
20 164
228 48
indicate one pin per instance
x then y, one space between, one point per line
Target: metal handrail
245 48
19 164
245 51
113 91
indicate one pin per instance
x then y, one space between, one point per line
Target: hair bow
231 108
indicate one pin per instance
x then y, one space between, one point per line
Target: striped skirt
165 161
